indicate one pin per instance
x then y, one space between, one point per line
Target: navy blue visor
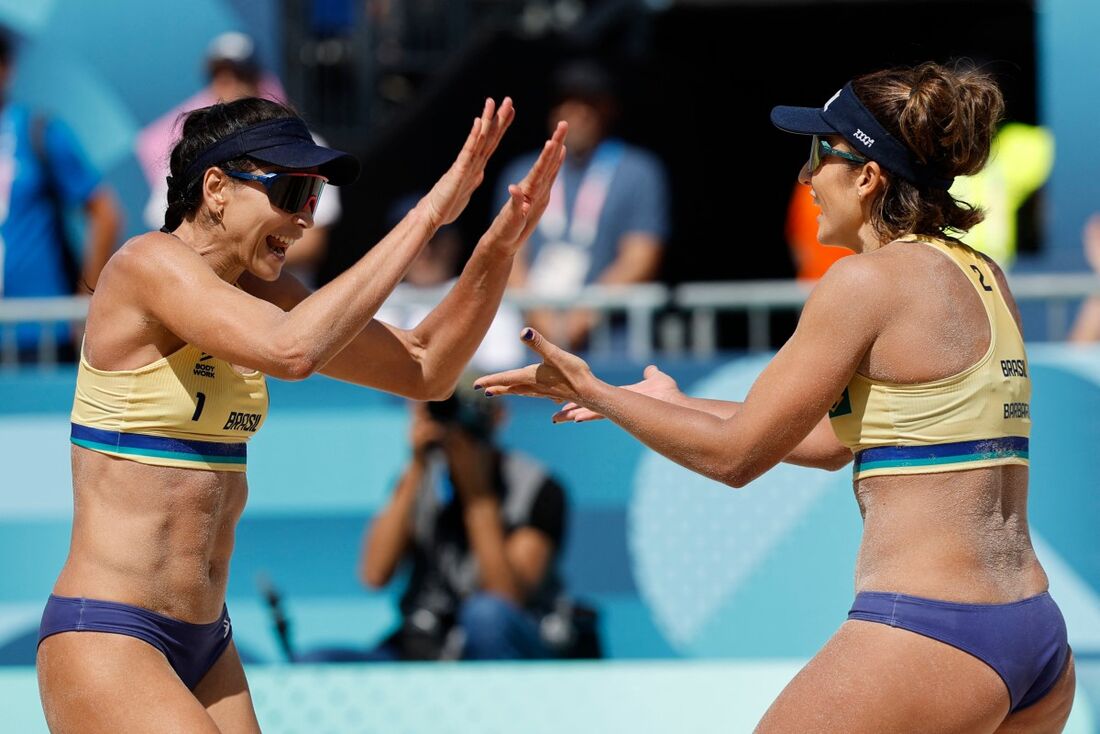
285 142
845 115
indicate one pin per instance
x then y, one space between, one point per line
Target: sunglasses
819 149
291 192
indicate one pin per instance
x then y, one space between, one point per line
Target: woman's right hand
655 384
452 192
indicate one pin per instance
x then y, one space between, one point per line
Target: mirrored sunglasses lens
815 153
297 193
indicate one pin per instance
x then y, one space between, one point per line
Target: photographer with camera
482 528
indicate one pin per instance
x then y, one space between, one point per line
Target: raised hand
655 384
528 199
452 192
560 377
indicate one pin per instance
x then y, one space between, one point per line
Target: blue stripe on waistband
145 445
879 457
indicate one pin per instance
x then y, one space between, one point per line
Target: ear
871 180
214 186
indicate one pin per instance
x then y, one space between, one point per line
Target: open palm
452 192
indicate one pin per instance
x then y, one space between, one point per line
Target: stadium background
709 599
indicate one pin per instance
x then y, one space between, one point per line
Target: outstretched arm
288 332
785 404
425 362
820 449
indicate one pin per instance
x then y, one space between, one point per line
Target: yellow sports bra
189 409
978 417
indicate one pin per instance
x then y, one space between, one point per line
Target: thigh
224 692
93 682
872 677
1050 713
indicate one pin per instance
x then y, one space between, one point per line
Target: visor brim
338 167
801 121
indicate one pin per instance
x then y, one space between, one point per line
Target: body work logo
843 406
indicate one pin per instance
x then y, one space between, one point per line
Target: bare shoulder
855 299
861 281
152 260
149 251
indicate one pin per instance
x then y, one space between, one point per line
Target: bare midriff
953 536
151 536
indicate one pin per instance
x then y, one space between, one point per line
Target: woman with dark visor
908 359
183 328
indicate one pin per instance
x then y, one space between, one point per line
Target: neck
221 258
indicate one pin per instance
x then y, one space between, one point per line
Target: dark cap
283 142
7 45
583 79
845 115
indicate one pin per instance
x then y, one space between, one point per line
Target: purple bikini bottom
191 649
1025 641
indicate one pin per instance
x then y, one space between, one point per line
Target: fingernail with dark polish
488 393
477 387
528 334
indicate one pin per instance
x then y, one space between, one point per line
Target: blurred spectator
1086 329
430 277
482 529
233 71
45 175
608 215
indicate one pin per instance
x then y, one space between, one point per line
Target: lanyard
580 227
7 176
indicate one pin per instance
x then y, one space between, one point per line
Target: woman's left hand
560 377
527 200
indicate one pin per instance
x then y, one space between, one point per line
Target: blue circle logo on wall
767 570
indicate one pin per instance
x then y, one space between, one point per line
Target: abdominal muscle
154 537
954 536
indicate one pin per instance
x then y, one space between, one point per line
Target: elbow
293 369
373 578
736 475
290 362
439 392
436 387
835 460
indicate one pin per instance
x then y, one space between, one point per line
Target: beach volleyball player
909 359
182 329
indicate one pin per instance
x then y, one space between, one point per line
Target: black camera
472 413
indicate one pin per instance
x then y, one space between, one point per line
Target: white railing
684 316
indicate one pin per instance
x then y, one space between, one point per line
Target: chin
267 274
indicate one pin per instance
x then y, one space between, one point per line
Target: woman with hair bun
183 327
909 360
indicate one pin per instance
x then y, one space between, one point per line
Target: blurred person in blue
183 329
481 529
430 276
232 70
608 217
908 362
44 175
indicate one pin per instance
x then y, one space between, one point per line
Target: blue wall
1069 99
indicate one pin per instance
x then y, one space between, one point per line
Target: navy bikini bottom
191 649
1025 641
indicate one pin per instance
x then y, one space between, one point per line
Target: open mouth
278 245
